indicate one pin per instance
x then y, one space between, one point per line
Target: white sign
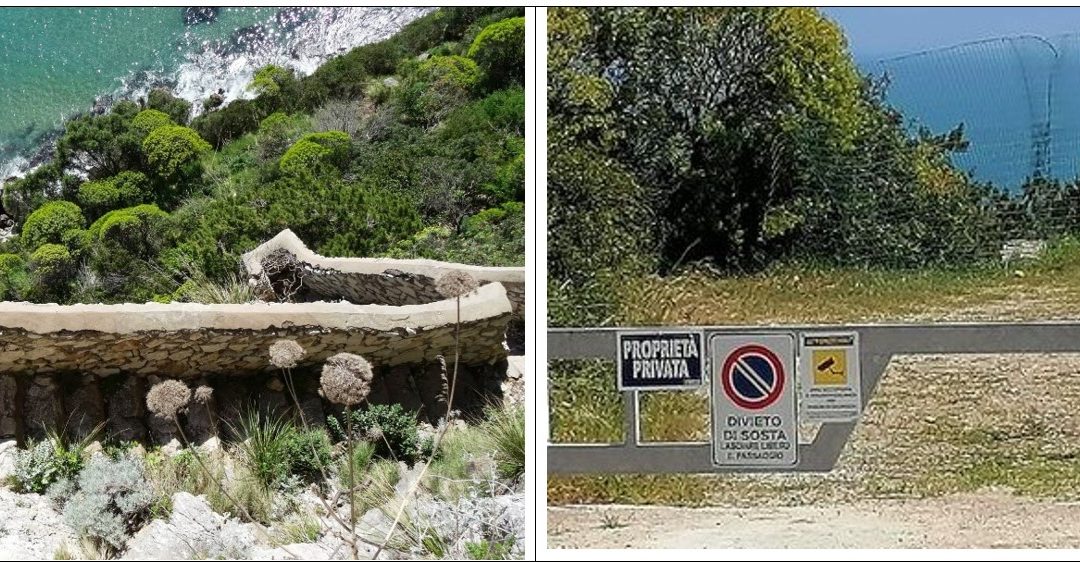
754 410
830 378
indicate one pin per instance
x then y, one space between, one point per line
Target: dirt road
988 519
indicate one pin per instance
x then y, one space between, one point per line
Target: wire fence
1016 97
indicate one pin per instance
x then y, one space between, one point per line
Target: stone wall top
488 301
287 240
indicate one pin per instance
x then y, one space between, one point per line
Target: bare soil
989 519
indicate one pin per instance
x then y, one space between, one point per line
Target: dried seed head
204 394
346 379
374 434
456 283
284 354
167 398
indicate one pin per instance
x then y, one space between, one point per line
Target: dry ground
985 520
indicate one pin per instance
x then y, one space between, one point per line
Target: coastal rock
31 529
193 532
195 16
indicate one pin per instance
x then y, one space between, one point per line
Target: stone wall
74 364
369 280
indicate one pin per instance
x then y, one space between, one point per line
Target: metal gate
878 344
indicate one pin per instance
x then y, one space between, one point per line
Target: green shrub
48 224
309 452
456 71
161 99
268 80
112 503
316 151
23 196
106 143
391 429
14 277
44 462
500 51
129 225
274 449
10 263
437 86
122 190
494 237
278 131
52 262
150 119
171 148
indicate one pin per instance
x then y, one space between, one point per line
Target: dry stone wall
73 365
371 280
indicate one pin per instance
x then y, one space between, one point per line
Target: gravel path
984 520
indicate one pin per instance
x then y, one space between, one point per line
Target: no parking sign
754 406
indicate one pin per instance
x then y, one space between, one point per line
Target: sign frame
787 401
703 360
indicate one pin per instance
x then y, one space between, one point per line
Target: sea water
58 62
1015 96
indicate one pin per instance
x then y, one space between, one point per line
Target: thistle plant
167 399
453 284
345 380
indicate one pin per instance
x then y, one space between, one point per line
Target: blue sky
879 32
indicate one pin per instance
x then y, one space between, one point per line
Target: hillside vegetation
745 140
410 147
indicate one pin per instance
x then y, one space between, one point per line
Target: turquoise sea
61 61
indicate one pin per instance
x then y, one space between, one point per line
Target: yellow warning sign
830 367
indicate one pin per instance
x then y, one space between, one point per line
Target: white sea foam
326 32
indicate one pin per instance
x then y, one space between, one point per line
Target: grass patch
585 404
813 294
297 529
449 472
504 435
181 473
376 480
675 416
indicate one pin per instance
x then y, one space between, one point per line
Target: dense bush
122 190
389 428
170 149
500 51
106 143
48 224
161 99
149 119
805 162
51 262
278 132
494 236
112 503
315 152
24 195
438 85
268 81
14 277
